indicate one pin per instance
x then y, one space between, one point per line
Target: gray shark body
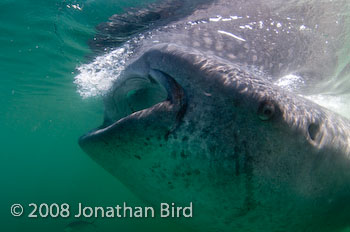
195 117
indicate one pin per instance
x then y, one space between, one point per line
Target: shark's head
182 126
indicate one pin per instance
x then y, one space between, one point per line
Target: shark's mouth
139 96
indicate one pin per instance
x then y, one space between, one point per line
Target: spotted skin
248 154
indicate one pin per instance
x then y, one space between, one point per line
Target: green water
42 115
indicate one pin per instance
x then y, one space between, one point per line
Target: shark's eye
266 110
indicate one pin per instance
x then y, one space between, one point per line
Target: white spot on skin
219 46
208 41
235 17
246 26
244 90
215 19
261 24
196 44
254 58
231 56
231 35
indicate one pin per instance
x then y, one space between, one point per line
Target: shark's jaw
139 96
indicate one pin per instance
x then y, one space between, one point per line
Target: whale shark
197 113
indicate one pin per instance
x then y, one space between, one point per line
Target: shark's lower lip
173 107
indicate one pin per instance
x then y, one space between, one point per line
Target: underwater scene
175 115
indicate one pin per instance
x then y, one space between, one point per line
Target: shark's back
272 39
